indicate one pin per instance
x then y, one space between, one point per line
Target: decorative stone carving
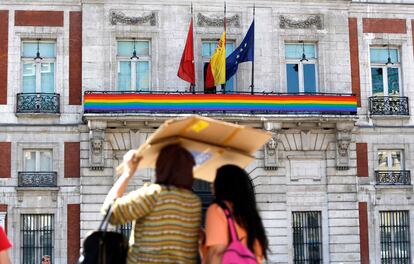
314 21
343 139
118 17
205 21
96 157
271 149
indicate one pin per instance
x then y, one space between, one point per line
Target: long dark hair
232 184
174 166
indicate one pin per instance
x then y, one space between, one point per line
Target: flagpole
192 86
225 42
252 81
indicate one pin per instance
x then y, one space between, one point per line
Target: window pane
29 77
292 78
295 51
377 82
126 48
46 50
395 160
46 161
30 160
124 75
48 77
393 81
382 160
142 75
206 49
309 75
230 83
381 55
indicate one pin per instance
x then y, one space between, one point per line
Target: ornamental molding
118 17
217 21
313 21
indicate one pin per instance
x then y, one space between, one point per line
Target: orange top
217 232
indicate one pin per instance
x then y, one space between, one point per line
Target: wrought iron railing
402 177
388 105
37 179
28 103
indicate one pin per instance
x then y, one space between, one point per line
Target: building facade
333 185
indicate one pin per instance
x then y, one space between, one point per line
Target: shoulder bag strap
105 221
230 221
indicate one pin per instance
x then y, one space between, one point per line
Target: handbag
103 246
236 252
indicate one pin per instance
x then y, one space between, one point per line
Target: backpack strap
230 221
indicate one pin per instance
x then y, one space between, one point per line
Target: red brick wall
5 159
384 25
412 31
38 18
4 41
73 233
363 233
72 159
75 58
362 159
3 209
354 53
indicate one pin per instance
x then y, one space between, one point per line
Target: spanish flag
216 70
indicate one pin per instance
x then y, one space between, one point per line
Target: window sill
379 117
41 189
38 115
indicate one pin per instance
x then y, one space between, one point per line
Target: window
307 237
301 70
133 59
390 160
38 66
395 237
38 160
37 237
385 71
209 46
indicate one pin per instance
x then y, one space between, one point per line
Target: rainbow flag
263 103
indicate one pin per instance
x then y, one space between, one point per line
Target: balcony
401 177
239 103
38 103
389 105
37 179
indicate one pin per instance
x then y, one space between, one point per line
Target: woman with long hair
166 215
233 187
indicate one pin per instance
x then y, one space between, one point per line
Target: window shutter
5 158
72 159
362 159
4 42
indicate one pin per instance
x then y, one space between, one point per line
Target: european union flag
244 52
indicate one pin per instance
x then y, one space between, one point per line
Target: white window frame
134 64
38 65
389 158
37 156
385 71
301 77
206 59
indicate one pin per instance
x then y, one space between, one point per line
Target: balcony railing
388 105
29 103
37 179
188 102
401 177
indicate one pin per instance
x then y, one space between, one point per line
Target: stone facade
309 165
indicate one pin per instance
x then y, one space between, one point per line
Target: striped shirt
165 226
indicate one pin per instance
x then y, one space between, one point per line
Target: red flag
186 70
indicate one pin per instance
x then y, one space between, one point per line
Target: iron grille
37 179
388 105
29 103
203 190
395 237
125 229
402 177
37 237
307 237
